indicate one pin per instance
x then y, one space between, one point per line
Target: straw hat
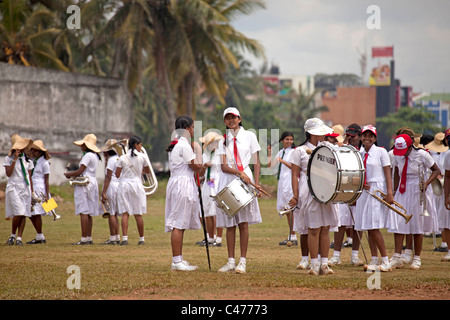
14 138
90 140
437 144
338 128
39 145
19 144
210 138
111 144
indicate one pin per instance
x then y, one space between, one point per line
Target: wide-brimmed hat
19 144
90 140
409 132
339 129
316 127
401 144
209 138
111 144
437 145
39 145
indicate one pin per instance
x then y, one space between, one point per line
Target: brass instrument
40 199
438 186
422 196
407 217
77 181
106 209
286 210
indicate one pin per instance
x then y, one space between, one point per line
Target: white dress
431 223
86 197
41 168
371 214
112 192
182 202
18 193
444 214
131 196
410 198
247 145
311 213
284 191
210 187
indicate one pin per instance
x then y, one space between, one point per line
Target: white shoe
372 266
229 267
334 261
303 265
415 265
240 268
385 266
406 259
446 257
183 266
396 262
314 269
356 261
325 270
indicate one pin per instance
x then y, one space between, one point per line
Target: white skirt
249 214
443 214
431 223
284 192
303 190
410 201
131 197
345 217
182 204
17 200
113 199
210 189
86 198
371 214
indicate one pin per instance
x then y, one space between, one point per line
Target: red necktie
237 157
365 167
403 179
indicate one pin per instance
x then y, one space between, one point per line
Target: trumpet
40 199
423 199
77 181
106 209
407 217
286 210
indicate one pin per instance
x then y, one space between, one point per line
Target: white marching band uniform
113 187
86 197
284 190
41 168
211 187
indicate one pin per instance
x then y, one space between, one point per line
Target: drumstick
255 186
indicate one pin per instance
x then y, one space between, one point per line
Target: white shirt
112 165
131 166
377 159
17 175
90 160
415 158
300 157
447 161
41 168
247 144
180 157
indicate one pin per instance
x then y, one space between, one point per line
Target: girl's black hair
182 122
89 150
111 153
308 136
132 142
287 134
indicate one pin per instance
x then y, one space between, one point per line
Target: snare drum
234 197
335 174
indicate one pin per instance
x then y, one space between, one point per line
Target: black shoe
19 243
80 243
10 241
332 245
34 241
141 243
347 244
440 249
109 242
124 243
201 243
215 244
283 243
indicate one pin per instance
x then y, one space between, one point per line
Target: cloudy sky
310 36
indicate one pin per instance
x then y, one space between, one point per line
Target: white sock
305 258
374 260
416 257
407 252
84 239
141 238
336 254
112 238
89 238
315 261
124 238
350 239
293 237
324 260
444 244
354 253
117 237
19 238
13 235
210 240
231 260
384 259
177 259
243 260
219 239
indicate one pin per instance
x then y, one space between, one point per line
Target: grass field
143 272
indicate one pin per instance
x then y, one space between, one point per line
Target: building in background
436 103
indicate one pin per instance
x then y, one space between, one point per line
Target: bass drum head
322 174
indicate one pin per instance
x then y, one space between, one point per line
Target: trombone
423 199
407 217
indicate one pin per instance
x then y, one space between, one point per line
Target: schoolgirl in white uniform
86 197
110 189
131 198
371 214
211 171
284 191
18 188
182 209
239 149
40 176
406 177
444 213
316 217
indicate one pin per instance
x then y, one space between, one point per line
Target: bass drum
335 174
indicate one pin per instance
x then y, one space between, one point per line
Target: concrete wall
59 108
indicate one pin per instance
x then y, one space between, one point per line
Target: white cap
369 128
316 127
231 110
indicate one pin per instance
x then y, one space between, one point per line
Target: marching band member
211 171
86 196
110 189
240 148
18 188
131 198
371 214
408 163
444 213
316 217
40 177
182 200
284 191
